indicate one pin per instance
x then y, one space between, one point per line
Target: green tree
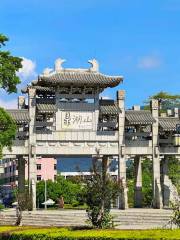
71 192
101 191
7 130
9 65
146 183
166 100
174 171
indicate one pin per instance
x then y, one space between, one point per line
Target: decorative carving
95 65
21 102
154 104
32 92
58 64
47 71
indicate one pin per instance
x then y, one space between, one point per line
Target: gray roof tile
80 78
139 117
46 107
168 123
19 115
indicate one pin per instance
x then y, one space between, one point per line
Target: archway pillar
123 198
157 193
32 146
21 174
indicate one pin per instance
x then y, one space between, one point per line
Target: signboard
77 120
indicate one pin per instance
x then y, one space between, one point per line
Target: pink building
46 170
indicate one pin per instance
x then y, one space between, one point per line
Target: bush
1 206
65 234
176 214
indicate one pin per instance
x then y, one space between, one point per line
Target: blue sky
138 39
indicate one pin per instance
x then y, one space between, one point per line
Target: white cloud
28 69
149 62
8 104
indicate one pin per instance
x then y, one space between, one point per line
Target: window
38 177
55 166
55 177
38 166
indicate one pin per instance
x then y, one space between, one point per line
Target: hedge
66 234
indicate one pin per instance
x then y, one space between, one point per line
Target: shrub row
66 234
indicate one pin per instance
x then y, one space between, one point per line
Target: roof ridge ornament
58 64
47 71
95 65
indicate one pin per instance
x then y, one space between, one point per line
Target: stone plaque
77 120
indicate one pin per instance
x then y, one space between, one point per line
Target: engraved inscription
77 120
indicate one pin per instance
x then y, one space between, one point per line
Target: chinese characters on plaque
77 120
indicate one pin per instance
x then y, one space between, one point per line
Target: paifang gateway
66 117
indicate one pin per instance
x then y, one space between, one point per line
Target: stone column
123 200
96 112
138 182
157 194
21 174
166 190
58 124
32 145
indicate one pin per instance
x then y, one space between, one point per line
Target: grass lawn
23 233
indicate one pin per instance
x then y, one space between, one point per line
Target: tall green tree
9 65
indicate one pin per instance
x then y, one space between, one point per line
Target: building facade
46 169
66 117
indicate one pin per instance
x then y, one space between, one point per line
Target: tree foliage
101 191
7 130
174 171
71 192
9 65
167 100
146 183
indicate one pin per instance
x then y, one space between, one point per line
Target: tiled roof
44 89
86 78
108 107
19 115
168 123
39 89
139 117
46 107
